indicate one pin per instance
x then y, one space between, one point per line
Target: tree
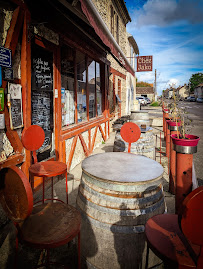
195 80
143 84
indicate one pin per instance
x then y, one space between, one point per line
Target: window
80 76
112 19
91 87
98 90
119 94
81 86
117 30
95 95
67 86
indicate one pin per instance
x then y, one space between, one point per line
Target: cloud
167 12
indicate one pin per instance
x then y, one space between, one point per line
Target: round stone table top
122 167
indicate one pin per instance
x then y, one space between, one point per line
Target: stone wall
103 7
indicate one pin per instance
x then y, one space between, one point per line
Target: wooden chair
32 139
43 226
178 240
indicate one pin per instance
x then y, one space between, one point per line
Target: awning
103 32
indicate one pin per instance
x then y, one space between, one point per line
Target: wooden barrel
140 117
118 193
144 146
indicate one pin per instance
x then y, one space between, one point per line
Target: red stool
32 139
44 226
178 240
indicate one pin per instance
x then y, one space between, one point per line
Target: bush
154 104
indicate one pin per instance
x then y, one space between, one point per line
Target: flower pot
172 125
187 145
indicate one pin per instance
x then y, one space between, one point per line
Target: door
42 97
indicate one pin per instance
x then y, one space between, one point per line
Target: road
195 113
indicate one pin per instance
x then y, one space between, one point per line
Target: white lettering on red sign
144 63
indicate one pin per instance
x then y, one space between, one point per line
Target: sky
172 32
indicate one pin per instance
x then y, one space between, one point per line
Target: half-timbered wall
74 142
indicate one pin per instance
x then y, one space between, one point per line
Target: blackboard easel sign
15 109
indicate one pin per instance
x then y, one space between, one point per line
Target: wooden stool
45 226
32 139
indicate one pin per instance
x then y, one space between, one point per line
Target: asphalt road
194 111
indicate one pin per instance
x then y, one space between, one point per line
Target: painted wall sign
5 57
144 63
1 99
15 110
8 73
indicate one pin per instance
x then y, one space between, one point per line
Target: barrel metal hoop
125 186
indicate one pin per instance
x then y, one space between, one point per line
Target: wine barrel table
118 193
140 117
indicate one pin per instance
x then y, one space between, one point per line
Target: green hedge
154 104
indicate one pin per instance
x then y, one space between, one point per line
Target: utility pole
155 92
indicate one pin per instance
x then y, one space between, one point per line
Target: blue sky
171 31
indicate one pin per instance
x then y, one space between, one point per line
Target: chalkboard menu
41 115
42 93
42 69
8 73
15 110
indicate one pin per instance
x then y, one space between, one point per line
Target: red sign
144 63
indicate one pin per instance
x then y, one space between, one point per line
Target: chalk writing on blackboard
8 73
41 115
42 70
15 110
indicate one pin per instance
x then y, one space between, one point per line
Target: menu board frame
15 109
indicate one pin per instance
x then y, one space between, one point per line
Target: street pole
155 88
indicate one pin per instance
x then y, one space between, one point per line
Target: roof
133 43
144 90
199 85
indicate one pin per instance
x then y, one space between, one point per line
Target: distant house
146 92
198 92
183 92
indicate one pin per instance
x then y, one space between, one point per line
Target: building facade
69 74
146 92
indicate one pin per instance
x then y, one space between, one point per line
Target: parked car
148 100
142 100
199 100
191 99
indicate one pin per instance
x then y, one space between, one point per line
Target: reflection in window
81 84
98 88
67 86
91 87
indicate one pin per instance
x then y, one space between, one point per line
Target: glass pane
81 87
98 87
67 86
91 87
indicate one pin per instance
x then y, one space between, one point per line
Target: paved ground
68 254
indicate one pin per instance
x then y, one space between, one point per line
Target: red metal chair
32 139
43 226
130 132
178 240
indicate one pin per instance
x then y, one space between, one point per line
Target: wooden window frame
117 29
112 19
